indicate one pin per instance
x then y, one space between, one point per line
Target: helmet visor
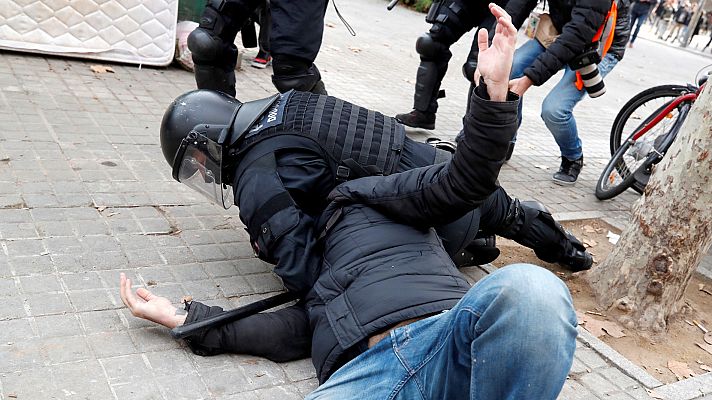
199 166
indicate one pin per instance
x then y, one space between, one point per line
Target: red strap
579 81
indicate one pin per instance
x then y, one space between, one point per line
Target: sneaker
568 171
417 119
262 60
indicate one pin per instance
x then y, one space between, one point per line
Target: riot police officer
295 37
278 158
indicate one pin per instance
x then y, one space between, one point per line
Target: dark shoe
568 171
577 258
417 119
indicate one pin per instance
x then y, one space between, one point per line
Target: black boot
417 119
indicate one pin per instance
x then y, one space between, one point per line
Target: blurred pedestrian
680 20
638 15
663 13
263 59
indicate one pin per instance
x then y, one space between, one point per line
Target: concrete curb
698 387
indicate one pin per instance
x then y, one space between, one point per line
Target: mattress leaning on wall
129 31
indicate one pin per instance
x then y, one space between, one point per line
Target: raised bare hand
494 62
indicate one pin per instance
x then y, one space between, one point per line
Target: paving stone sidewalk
85 193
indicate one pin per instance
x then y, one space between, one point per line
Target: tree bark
646 274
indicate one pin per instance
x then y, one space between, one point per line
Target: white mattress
131 31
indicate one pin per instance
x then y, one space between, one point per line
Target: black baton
392 4
179 332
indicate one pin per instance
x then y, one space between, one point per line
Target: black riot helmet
195 134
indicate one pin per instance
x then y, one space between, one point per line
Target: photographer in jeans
534 64
389 315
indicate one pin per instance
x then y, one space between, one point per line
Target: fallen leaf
100 69
704 346
599 328
589 229
706 368
589 242
595 313
151 283
186 299
612 237
680 369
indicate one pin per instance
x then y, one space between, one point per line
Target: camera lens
592 80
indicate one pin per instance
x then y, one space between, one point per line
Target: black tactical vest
352 137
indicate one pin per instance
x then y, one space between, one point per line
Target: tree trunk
646 274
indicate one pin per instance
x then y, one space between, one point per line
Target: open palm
494 62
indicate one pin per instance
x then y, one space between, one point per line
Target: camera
586 65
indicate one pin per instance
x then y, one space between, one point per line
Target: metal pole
693 23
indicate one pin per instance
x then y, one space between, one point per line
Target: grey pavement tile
66 349
111 344
40 284
177 255
16 329
49 303
590 358
92 299
299 370
23 230
598 384
102 321
156 275
202 290
227 381
234 286
82 280
138 389
182 385
125 368
169 362
26 354
8 287
573 390
30 247
618 378
13 307
154 338
34 383
58 325
223 268
307 386
188 272
286 392
264 283
35 265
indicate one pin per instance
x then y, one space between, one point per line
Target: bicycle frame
689 97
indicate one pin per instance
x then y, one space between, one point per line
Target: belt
374 339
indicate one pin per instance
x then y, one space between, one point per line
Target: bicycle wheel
632 162
640 110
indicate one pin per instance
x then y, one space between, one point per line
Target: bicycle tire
618 165
613 166
638 101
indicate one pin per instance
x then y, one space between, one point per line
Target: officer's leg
450 19
211 44
530 224
296 35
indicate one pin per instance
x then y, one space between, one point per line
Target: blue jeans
558 106
638 16
512 336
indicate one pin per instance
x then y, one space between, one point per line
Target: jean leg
557 113
524 56
639 21
512 336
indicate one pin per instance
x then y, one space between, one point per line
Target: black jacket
381 261
622 33
577 21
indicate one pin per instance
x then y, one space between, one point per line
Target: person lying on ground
389 315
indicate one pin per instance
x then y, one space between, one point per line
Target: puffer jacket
577 21
383 264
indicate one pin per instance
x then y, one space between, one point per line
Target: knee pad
431 49
482 250
204 46
291 73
